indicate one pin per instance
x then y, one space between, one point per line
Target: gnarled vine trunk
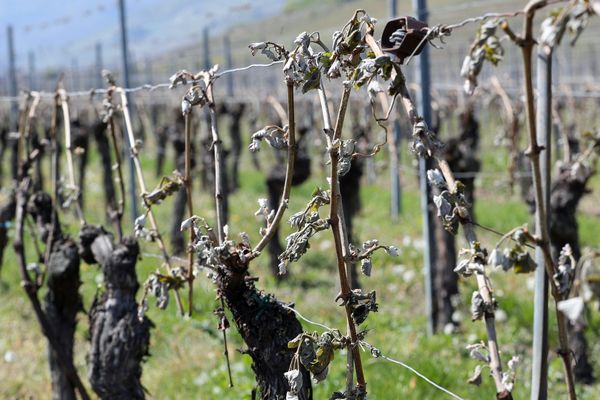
461 155
180 201
566 192
62 301
3 145
100 135
80 133
235 113
266 328
350 192
7 215
61 305
119 340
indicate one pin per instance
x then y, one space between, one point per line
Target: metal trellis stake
14 107
125 57
424 106
31 69
539 370
206 48
228 65
395 187
98 81
75 84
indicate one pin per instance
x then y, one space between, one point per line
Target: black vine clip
404 37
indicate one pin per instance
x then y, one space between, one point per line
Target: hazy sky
61 31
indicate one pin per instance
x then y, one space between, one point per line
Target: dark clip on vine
404 36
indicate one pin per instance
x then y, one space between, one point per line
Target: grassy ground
186 354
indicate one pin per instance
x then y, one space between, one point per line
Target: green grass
186 354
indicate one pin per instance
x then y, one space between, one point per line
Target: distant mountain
167 35
59 31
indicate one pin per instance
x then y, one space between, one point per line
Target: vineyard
393 207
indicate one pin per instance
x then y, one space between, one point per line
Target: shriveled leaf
572 308
477 306
366 266
475 378
295 342
294 378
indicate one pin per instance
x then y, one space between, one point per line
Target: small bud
392 251
435 178
140 221
186 223
366 266
282 268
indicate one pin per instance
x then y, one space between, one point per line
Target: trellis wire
376 353
148 87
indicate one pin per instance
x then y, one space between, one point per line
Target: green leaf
295 342
325 60
312 79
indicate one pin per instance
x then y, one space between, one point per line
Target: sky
63 33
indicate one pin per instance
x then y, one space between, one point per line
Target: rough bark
350 192
3 145
100 135
266 328
206 156
235 112
460 153
7 215
36 143
61 305
566 192
180 201
119 340
162 138
62 301
80 142
177 240
14 157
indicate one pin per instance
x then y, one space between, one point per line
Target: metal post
395 188
14 108
556 122
132 70
539 370
393 8
149 72
593 61
99 66
74 74
228 65
12 78
424 106
207 65
206 48
31 70
125 57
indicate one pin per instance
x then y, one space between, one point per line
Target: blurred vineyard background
186 358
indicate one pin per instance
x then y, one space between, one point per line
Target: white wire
420 375
369 346
148 87
306 319
229 71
